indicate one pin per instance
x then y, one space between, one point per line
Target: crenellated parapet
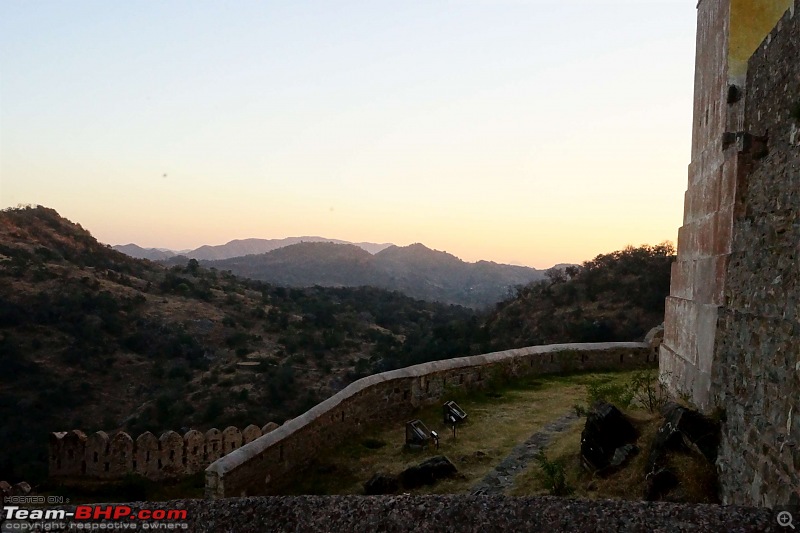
18 489
103 456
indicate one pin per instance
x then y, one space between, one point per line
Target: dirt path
501 478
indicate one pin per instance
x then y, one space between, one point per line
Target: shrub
617 393
646 390
555 477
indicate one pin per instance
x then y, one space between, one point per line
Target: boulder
683 429
606 430
381 484
428 472
621 457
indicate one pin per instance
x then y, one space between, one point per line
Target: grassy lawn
498 420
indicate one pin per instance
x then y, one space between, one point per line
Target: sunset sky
530 132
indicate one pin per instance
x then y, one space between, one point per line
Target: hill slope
93 339
614 297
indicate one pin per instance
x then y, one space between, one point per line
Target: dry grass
627 484
497 422
697 477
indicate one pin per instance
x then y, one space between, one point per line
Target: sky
526 132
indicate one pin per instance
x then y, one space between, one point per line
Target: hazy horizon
184 250
520 132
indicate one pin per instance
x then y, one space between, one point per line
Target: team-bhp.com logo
116 517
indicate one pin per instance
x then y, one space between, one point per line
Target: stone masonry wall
74 456
697 281
756 377
264 464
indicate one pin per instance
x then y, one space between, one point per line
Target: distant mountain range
235 248
415 270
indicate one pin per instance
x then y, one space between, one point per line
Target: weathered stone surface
250 433
462 514
269 426
381 484
758 376
213 444
606 430
621 457
194 444
73 455
697 432
231 439
732 333
655 337
121 455
96 455
171 456
427 472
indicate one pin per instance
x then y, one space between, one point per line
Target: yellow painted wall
751 21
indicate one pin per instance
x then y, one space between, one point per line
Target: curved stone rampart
263 464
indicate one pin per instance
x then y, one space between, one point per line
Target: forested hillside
614 297
93 339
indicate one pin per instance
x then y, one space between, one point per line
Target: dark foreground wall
450 513
756 376
262 466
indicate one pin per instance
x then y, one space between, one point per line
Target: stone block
213 445
194 451
96 455
250 433
147 456
723 231
121 455
171 456
231 439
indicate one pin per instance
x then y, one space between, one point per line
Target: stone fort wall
75 456
261 466
756 377
732 324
